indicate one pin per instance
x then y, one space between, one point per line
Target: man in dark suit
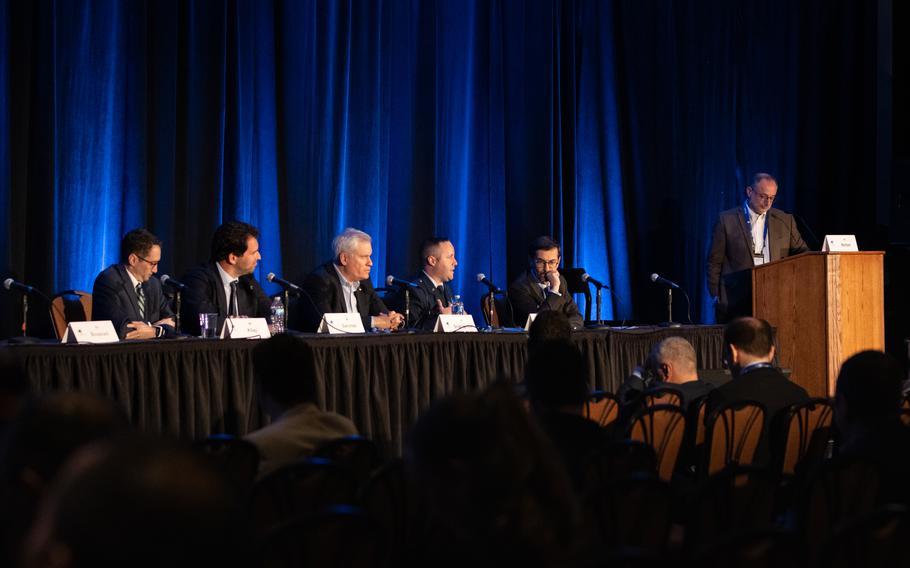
542 288
225 285
748 351
433 295
343 286
126 293
744 237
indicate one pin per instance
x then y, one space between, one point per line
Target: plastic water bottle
277 319
457 305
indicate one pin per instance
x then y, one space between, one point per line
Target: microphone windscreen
481 276
389 280
585 276
654 277
270 276
8 283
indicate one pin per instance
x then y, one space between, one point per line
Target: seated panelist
433 294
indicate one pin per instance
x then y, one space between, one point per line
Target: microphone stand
407 307
670 322
177 310
600 322
24 338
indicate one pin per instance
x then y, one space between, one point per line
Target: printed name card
455 323
341 323
840 243
531 318
90 332
245 328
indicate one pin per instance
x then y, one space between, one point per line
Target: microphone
482 278
9 284
392 281
590 280
165 279
282 282
661 280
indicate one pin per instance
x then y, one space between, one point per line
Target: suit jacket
526 297
115 299
423 301
322 294
767 386
298 433
730 258
205 295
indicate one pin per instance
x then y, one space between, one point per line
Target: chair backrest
70 305
602 407
618 460
576 285
732 434
487 308
663 427
661 395
801 431
236 458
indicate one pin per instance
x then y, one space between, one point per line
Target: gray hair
347 241
760 177
678 351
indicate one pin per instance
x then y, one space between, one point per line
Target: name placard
840 243
341 323
90 332
531 318
245 328
455 323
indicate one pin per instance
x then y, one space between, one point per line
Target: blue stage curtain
621 128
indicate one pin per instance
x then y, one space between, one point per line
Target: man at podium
744 237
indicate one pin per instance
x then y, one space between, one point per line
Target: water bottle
277 319
457 305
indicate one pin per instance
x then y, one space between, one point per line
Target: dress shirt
759 243
348 289
226 280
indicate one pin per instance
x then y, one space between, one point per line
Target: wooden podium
825 308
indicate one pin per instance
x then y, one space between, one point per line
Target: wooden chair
800 432
70 305
497 320
662 395
634 512
618 460
732 434
662 427
602 407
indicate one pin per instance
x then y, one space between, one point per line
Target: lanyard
752 238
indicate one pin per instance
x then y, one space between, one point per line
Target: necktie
442 295
232 302
140 297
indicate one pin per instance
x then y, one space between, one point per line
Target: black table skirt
192 388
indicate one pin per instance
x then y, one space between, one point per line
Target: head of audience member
747 341
556 378
549 325
42 437
438 255
140 253
353 250
235 247
673 360
761 192
868 391
544 255
285 373
140 503
494 481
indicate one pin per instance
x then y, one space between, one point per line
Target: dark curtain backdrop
621 128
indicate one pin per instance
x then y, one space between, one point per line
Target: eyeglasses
548 263
764 196
153 264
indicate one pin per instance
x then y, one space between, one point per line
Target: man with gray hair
672 362
343 285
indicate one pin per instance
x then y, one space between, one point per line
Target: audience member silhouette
286 383
549 325
496 489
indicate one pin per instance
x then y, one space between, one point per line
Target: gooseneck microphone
282 282
591 280
9 284
657 279
392 281
165 279
482 278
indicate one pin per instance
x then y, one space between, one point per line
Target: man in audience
343 286
542 288
433 295
674 364
549 325
126 293
285 378
225 285
749 350
867 415
556 379
138 503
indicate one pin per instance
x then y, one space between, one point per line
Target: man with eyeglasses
126 293
744 237
542 288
